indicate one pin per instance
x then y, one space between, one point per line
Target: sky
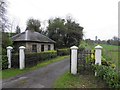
98 17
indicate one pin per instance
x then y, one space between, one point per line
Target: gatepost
21 57
9 48
73 63
98 53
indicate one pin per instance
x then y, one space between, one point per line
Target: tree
74 33
3 18
18 30
65 32
4 25
56 31
34 25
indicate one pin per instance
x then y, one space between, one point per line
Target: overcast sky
98 17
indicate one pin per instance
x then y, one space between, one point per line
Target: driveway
40 78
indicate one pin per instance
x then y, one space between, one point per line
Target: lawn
78 81
14 72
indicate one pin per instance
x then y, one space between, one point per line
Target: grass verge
14 72
78 81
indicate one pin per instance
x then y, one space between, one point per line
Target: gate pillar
98 52
9 48
73 61
21 57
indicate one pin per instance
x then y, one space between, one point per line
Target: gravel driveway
40 78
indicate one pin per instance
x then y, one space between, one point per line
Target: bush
109 75
32 59
62 52
4 62
82 47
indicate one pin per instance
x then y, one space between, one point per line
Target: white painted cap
74 47
21 47
98 47
9 47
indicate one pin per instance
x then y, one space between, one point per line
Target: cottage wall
52 46
29 46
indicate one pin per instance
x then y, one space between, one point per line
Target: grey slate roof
29 35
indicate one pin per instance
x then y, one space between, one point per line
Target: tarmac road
40 78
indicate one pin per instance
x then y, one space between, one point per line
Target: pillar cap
9 47
74 47
21 47
98 47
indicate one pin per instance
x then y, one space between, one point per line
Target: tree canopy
65 32
18 29
34 24
3 17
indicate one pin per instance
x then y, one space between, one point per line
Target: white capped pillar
73 60
9 48
21 57
98 53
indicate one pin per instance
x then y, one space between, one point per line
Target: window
34 48
48 47
42 47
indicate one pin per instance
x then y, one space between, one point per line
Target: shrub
4 62
109 75
32 59
82 47
62 52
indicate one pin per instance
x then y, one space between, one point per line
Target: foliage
34 25
6 41
114 41
32 59
4 62
56 31
82 45
62 52
18 30
109 75
3 17
74 33
66 33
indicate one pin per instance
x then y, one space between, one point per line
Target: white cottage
33 41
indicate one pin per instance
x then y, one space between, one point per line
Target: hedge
4 62
32 59
62 52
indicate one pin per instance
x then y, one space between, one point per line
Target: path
41 78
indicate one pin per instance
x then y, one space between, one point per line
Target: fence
80 58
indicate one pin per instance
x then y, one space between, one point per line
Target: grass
14 72
111 53
78 81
